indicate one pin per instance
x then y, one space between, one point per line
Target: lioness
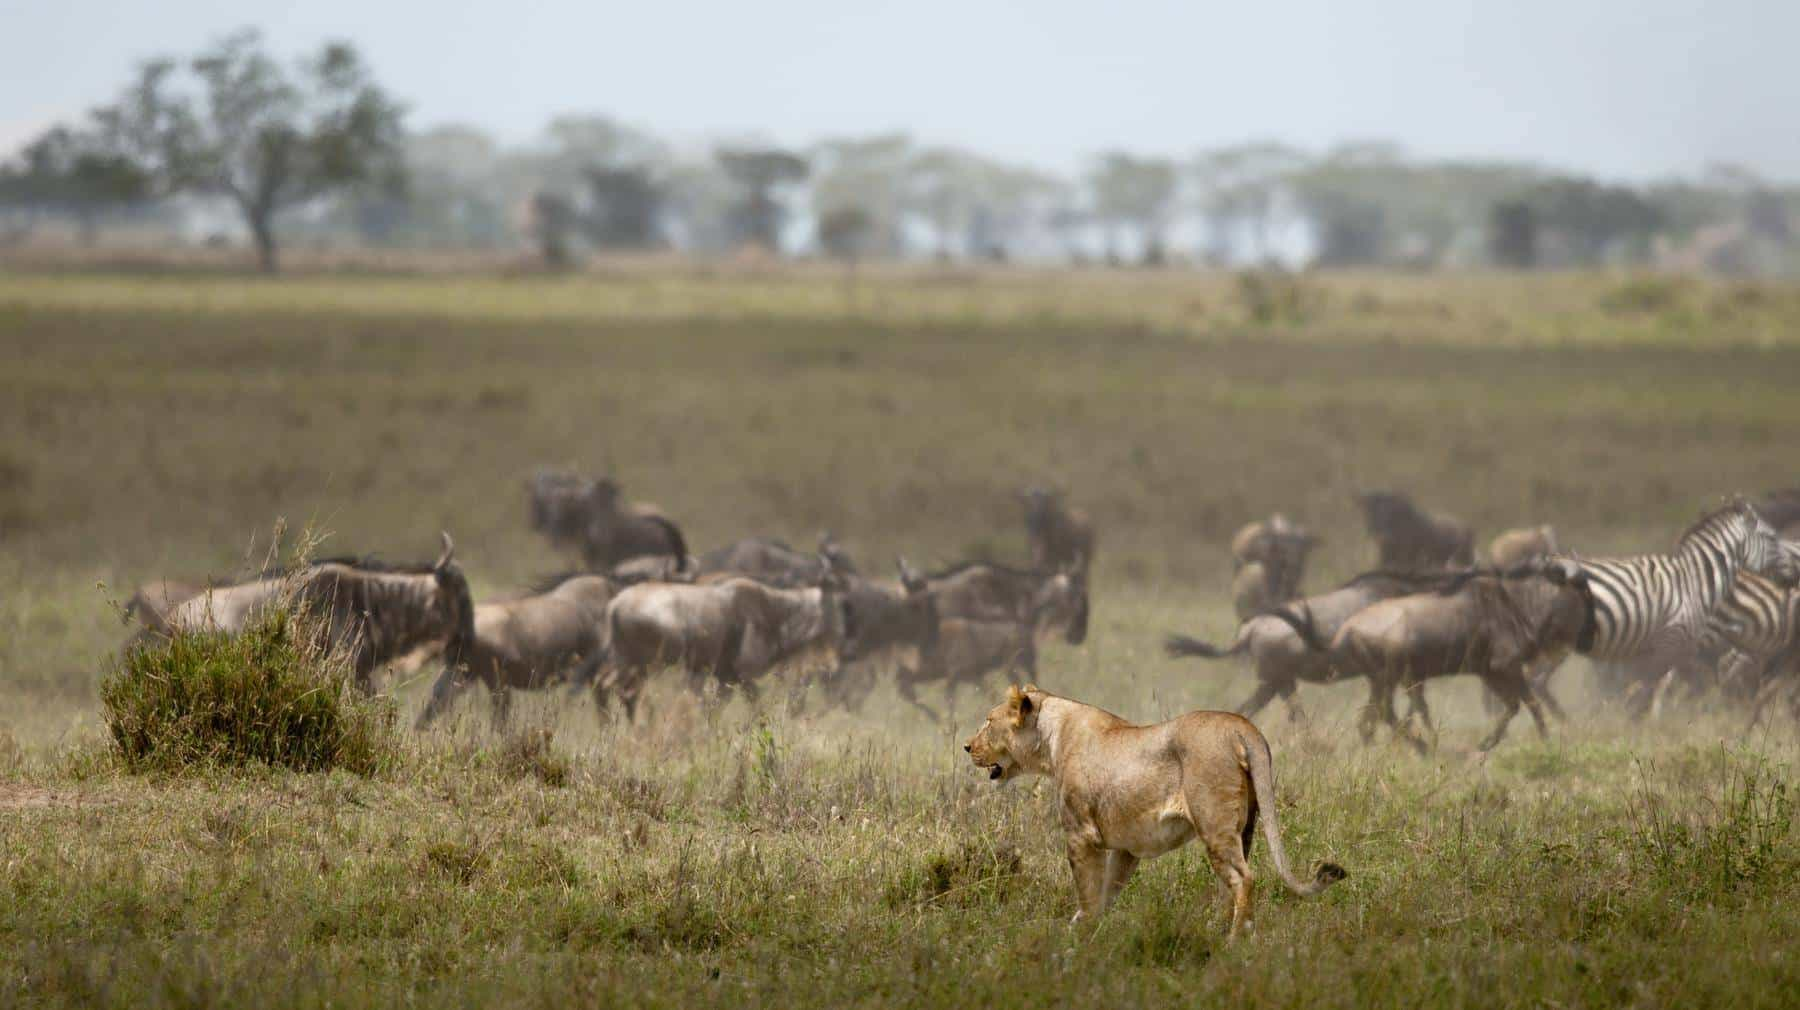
1133 792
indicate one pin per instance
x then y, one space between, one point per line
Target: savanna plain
174 424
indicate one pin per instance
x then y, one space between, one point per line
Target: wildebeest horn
908 578
449 552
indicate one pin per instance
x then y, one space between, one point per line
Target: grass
273 695
157 426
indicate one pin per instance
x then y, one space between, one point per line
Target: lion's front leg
1087 860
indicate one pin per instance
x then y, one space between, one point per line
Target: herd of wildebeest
1717 611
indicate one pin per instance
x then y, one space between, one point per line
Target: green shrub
268 695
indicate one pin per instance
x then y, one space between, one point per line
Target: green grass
159 426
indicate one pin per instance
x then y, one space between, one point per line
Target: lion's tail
1262 779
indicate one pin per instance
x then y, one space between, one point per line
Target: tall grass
270 695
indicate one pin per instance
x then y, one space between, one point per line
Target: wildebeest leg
1509 696
1534 705
1265 692
1415 696
450 684
500 696
906 682
1290 694
1382 696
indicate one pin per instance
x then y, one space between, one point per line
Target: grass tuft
267 696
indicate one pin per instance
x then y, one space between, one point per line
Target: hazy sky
1627 88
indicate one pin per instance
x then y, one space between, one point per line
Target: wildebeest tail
1303 625
1183 645
677 543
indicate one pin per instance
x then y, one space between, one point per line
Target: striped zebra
1651 611
1755 638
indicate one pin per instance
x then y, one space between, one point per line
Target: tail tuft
1182 645
1328 874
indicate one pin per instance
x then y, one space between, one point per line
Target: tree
1139 192
1512 235
71 173
1591 217
627 208
264 138
846 233
761 172
554 222
1239 186
868 172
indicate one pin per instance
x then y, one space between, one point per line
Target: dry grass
158 426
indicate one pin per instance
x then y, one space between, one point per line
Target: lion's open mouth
997 772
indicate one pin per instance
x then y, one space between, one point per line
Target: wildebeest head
558 501
1062 599
882 621
1040 503
452 605
1387 512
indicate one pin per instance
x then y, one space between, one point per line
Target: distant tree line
319 150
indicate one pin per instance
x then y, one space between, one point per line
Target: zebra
1650 612
1755 635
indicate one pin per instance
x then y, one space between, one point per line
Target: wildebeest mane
1780 508
1412 581
962 566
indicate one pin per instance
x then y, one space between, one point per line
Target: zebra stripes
1656 606
1756 615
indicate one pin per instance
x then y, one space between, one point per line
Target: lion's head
1008 741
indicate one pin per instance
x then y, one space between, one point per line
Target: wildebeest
1409 538
1781 509
1278 651
528 643
1044 600
1517 547
772 562
585 515
1491 624
733 631
888 618
151 603
1060 537
1280 547
374 611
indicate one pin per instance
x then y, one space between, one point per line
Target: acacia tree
1136 191
67 172
761 172
266 139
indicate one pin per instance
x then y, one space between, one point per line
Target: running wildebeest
1494 625
1517 547
585 515
374 611
1060 537
153 601
1408 538
732 631
1044 600
1280 547
529 643
1277 645
888 618
989 617
772 562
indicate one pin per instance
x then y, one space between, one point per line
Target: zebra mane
1733 506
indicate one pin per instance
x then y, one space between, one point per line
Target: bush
268 695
